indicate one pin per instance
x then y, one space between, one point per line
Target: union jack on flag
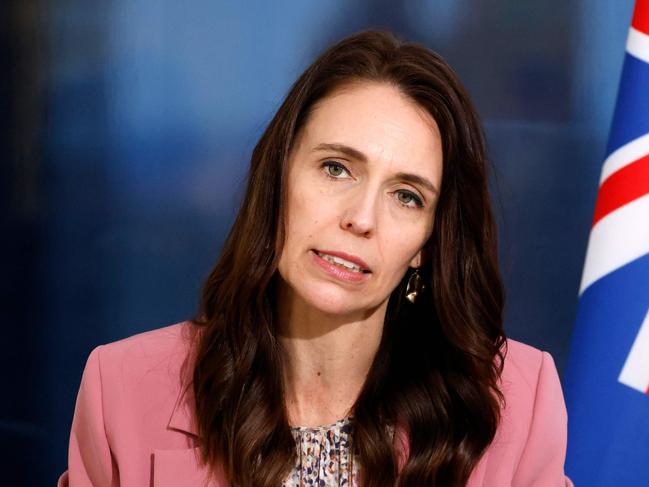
607 376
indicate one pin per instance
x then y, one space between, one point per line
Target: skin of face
368 209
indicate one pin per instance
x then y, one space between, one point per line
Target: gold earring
414 286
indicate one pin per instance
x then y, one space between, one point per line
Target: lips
349 272
344 259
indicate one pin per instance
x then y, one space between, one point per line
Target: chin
333 301
330 301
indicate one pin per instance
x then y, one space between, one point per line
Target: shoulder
530 443
531 387
140 379
147 362
131 407
523 364
143 351
530 382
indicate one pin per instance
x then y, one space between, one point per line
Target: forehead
377 119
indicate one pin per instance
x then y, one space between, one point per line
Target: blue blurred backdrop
127 127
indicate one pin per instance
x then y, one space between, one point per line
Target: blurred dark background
125 132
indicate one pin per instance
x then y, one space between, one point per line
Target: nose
359 216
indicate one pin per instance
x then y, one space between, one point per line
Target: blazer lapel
171 468
182 417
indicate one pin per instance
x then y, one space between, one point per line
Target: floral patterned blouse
324 457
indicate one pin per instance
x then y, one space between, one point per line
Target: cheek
304 216
309 204
400 247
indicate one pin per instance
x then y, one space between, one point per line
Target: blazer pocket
171 468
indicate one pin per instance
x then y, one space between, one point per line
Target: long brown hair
436 371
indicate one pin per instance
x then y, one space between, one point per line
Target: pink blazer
133 423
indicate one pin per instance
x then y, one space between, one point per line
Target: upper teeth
337 260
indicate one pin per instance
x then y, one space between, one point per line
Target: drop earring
414 286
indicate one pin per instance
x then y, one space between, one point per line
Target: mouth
344 261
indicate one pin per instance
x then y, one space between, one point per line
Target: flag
606 381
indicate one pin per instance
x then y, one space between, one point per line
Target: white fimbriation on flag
616 240
624 156
638 44
635 372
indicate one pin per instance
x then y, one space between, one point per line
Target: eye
405 198
334 169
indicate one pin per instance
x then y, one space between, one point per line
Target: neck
326 360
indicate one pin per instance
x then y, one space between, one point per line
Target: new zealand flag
607 376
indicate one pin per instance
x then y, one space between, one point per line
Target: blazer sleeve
89 457
542 461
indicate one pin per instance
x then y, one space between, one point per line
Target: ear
416 260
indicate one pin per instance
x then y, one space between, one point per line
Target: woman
351 331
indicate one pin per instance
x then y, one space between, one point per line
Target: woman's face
363 183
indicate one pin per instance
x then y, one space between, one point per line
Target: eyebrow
358 155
